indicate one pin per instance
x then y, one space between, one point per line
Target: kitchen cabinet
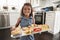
40 3
55 0
57 22
34 3
50 20
13 17
53 20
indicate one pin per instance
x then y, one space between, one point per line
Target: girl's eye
28 8
24 8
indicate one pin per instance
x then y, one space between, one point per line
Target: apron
25 23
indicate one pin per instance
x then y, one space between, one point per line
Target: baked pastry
45 27
16 31
33 25
27 30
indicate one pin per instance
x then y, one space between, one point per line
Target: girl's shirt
25 22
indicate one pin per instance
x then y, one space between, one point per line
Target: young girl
26 19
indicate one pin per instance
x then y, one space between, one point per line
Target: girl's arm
33 20
18 21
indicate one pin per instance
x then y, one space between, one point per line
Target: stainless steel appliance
4 20
40 17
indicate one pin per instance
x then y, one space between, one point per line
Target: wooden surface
44 36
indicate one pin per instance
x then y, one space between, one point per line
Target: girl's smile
27 10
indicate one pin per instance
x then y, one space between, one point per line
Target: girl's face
27 10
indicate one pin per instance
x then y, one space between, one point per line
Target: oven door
38 19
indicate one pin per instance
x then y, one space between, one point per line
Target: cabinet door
57 22
13 18
55 0
50 16
34 3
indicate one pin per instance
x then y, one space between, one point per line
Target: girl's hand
13 28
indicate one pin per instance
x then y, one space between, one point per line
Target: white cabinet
57 22
13 17
55 0
50 16
53 20
34 3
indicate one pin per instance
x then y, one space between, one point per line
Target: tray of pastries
26 31
32 29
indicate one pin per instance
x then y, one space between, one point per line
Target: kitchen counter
5 27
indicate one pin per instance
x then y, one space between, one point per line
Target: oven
40 17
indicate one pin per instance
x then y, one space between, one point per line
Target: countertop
5 27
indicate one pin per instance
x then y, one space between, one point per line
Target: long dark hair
27 4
